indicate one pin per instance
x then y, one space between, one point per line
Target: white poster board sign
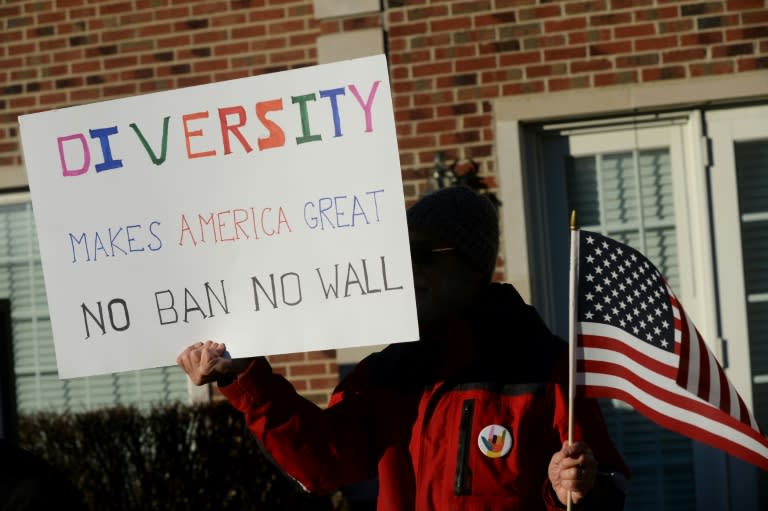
264 212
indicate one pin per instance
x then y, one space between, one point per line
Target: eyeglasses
422 252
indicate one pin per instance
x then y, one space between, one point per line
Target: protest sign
264 212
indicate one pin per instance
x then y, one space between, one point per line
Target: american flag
636 344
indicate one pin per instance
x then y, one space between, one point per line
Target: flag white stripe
694 359
664 408
735 408
668 358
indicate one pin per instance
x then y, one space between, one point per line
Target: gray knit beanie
467 220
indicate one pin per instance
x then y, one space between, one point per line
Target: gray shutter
628 196
38 386
752 181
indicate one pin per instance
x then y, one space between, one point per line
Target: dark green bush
173 457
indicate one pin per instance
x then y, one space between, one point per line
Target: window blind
38 386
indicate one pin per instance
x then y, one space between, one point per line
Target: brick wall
448 59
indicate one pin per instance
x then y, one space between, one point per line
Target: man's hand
209 361
574 468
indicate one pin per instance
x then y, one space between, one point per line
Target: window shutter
38 386
752 181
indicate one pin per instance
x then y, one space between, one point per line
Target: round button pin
494 441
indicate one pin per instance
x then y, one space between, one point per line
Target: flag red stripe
725 392
689 405
686 429
608 343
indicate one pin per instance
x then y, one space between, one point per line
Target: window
38 386
619 178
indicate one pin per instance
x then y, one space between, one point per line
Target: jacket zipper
463 483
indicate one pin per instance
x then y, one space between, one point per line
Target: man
473 416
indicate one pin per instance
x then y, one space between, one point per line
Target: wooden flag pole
573 275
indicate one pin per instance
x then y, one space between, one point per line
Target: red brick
660 13
207 65
755 17
231 75
54 98
610 48
23 102
286 26
288 357
230 49
736 5
732 50
200 38
432 69
738 34
86 66
475 64
495 18
585 66
585 7
450 24
618 78
753 63
663 73
538 13
545 70
423 141
636 30
563 25
190 81
287 56
701 38
515 59
590 36
529 87
249 31
577 52
613 18
408 29
577 82
656 43
628 4
712 68
547 41
269 44
435 126
434 98
637 60
502 75
459 138
684 55
474 6
680 25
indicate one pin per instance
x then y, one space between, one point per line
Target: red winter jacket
464 420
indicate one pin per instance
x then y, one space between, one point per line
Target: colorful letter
86 155
103 135
276 136
197 133
331 94
226 128
367 104
163 147
305 130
